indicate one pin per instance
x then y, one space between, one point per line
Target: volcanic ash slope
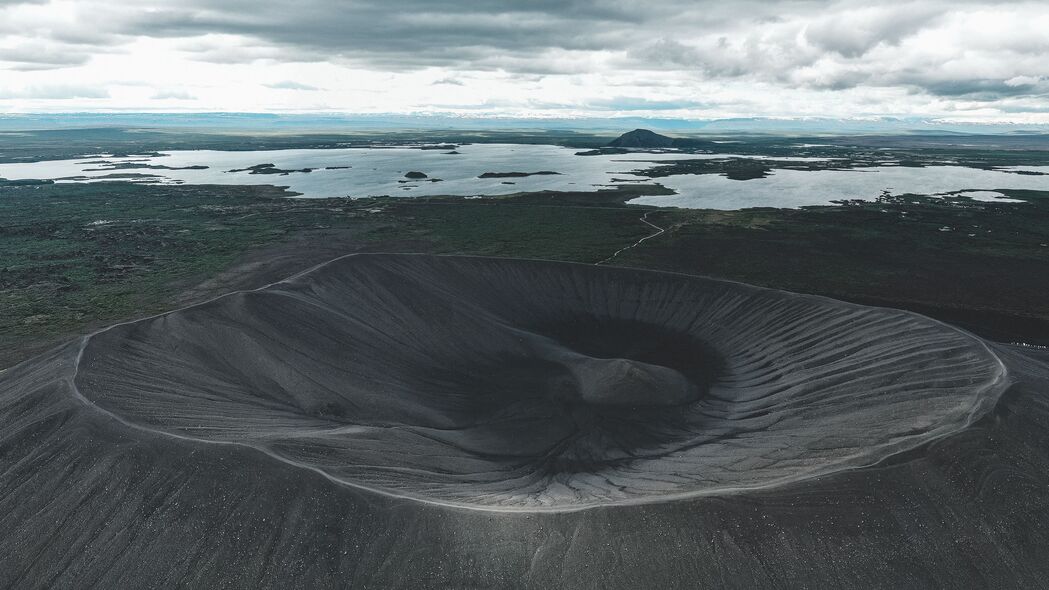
507 422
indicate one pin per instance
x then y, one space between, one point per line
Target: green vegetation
75 255
579 227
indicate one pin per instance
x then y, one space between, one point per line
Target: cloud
777 56
985 90
852 34
291 85
172 95
230 49
627 103
30 57
666 52
55 92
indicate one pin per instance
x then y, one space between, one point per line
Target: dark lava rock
603 152
642 138
24 182
270 169
140 166
517 174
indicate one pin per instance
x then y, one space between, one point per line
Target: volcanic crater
520 385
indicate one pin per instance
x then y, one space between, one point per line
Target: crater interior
526 385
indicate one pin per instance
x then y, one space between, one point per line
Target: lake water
362 172
794 188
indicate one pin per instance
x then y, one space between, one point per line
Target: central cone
626 382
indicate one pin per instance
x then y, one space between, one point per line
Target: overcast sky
959 60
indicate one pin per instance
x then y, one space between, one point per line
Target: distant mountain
642 138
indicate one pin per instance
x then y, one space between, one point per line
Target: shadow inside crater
614 338
599 391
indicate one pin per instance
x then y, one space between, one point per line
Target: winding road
642 219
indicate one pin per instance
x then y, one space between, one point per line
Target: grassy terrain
71 255
77 256
579 227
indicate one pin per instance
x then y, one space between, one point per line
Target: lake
378 171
